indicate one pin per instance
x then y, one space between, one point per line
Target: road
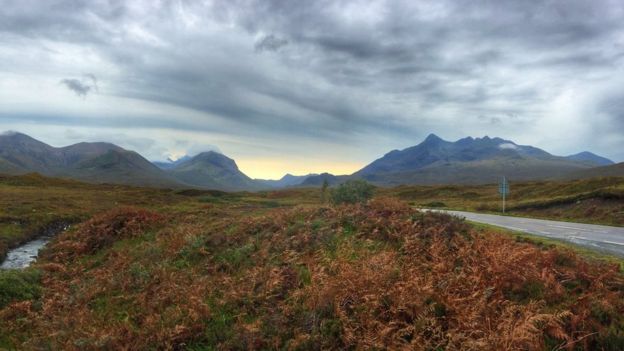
600 237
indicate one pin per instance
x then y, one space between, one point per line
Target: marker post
503 189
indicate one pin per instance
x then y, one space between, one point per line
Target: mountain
169 164
91 162
319 179
594 159
467 161
212 170
287 180
109 163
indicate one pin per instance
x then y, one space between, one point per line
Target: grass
19 285
203 270
597 201
31 204
552 243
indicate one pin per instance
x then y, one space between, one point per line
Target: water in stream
22 256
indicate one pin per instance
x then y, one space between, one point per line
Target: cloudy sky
312 86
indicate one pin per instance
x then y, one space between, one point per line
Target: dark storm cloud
393 68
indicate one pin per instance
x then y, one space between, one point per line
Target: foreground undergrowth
376 276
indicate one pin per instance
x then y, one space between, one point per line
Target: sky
313 86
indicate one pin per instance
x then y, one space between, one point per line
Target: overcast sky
313 86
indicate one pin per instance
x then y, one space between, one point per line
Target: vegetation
32 204
597 200
352 192
203 270
19 285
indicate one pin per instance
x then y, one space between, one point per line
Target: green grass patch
19 285
234 259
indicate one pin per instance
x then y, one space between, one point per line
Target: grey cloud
76 86
81 87
345 68
270 43
612 106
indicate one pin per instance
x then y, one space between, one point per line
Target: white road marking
612 242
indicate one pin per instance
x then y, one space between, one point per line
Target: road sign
503 189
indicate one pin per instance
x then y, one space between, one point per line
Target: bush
352 191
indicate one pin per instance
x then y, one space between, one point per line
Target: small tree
352 191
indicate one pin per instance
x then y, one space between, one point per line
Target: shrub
352 191
19 285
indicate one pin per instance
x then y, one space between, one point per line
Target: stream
25 254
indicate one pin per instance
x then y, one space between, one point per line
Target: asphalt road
600 237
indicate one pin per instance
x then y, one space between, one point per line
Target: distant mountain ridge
318 180
433 161
108 163
587 156
91 162
471 161
287 180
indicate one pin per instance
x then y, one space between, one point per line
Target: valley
103 249
203 175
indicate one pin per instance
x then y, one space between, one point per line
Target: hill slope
213 170
587 156
91 162
615 170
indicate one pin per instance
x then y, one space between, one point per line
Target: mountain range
109 163
287 180
433 161
472 161
91 162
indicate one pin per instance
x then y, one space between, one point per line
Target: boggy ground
33 204
223 274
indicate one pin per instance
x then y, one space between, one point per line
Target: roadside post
503 189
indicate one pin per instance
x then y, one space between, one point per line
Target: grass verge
550 243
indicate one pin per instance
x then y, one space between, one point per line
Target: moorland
144 268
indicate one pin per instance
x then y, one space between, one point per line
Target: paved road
601 237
